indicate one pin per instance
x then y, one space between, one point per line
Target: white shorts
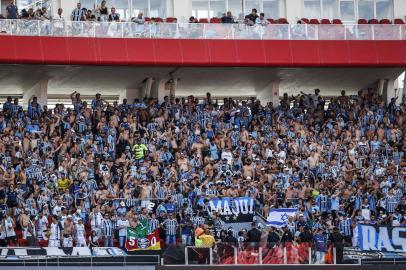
67 241
54 243
81 242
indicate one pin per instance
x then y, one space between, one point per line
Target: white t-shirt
8 223
125 224
42 224
80 231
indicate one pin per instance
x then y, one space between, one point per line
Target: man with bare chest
67 232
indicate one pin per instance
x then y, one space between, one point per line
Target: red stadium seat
283 21
385 21
147 19
362 21
43 243
305 20
22 242
170 20
215 20
271 21
373 21
325 21
314 21
158 19
337 21
203 20
398 21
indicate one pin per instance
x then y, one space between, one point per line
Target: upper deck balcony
89 29
202 44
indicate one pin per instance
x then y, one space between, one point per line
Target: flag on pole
278 217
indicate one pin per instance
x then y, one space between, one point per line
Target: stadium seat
362 21
314 21
203 20
22 242
337 21
271 21
158 19
398 21
325 21
283 21
147 19
305 20
215 20
170 20
373 21
385 21
43 243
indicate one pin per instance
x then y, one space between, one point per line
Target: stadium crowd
103 13
67 174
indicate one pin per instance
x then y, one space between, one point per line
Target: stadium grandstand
169 134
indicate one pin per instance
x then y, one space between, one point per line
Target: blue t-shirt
170 207
11 11
320 242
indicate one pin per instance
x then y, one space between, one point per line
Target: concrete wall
294 10
399 9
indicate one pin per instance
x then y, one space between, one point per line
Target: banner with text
382 238
232 210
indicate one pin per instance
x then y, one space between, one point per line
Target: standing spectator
103 12
228 18
122 224
320 244
114 17
305 235
273 238
253 15
79 233
107 230
287 236
78 14
9 226
253 235
140 19
139 150
58 16
170 226
337 239
55 233
261 20
186 230
12 11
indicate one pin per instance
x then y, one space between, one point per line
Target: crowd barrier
254 254
202 31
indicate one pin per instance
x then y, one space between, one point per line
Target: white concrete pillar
182 10
148 87
172 91
161 90
390 91
270 94
399 9
294 10
39 90
170 8
381 84
68 7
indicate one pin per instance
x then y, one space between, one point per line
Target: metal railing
202 31
89 261
258 254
